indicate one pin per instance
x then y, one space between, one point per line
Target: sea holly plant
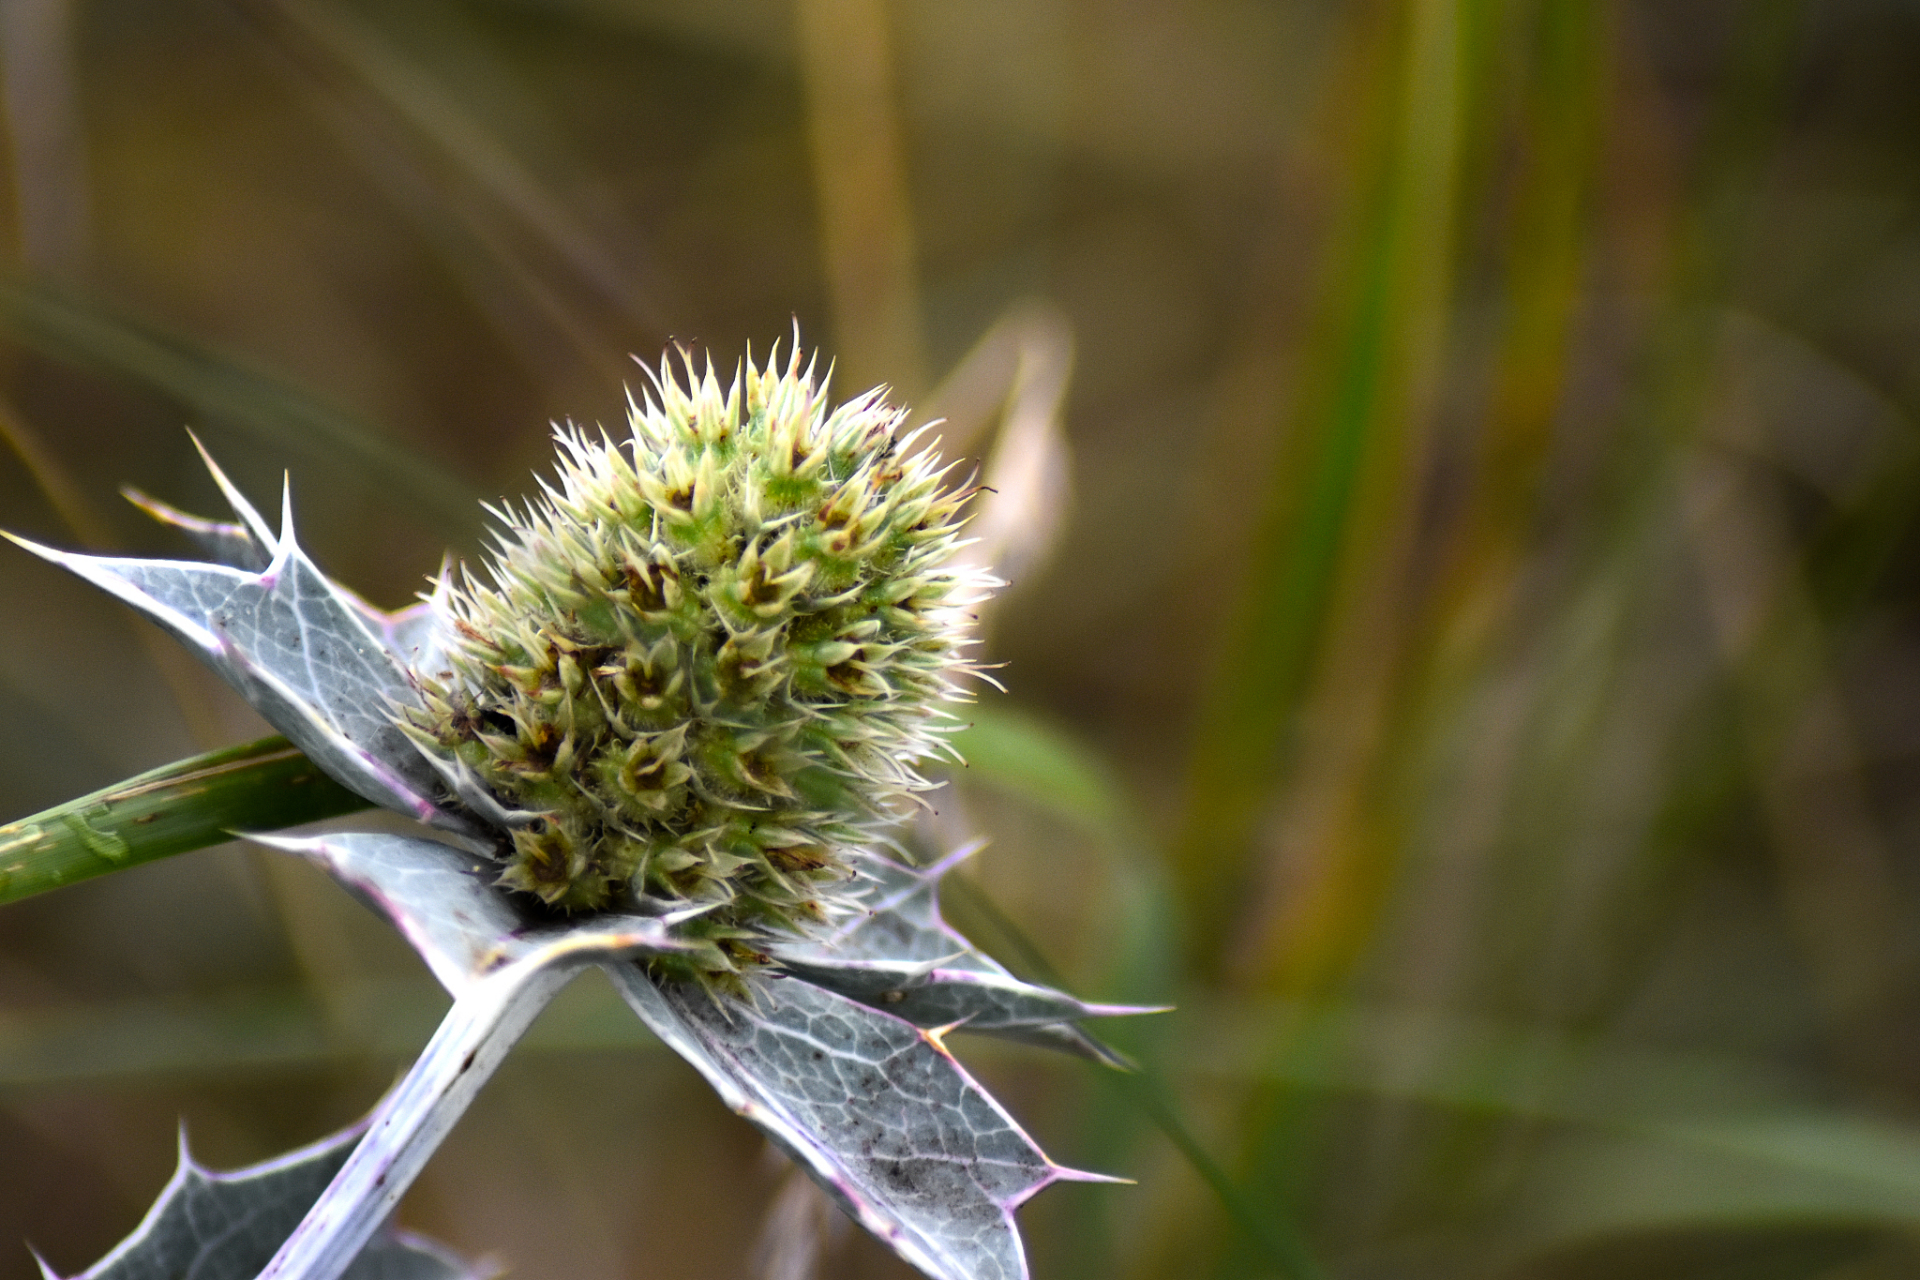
665 732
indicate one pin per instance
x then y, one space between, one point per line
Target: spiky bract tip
706 659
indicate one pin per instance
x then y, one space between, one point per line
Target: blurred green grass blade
1286 1252
1645 1139
79 331
1328 576
1479 1064
1544 265
1768 1171
1727 181
1337 497
1592 643
1022 754
176 808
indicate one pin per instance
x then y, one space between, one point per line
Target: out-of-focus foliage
1475 678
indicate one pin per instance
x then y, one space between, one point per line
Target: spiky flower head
708 657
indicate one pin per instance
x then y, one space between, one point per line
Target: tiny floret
707 658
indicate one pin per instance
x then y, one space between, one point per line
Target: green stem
176 808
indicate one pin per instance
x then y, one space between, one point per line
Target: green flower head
708 657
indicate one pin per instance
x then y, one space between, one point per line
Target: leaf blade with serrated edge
899 917
439 898
222 541
944 997
901 925
875 1109
444 902
297 650
413 635
225 1226
502 969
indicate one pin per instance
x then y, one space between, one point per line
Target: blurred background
1458 461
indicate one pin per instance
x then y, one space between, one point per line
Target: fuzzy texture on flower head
709 656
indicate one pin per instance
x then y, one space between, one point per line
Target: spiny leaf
414 635
902 926
222 541
943 997
297 649
440 899
874 1108
176 808
902 919
225 1226
444 902
502 970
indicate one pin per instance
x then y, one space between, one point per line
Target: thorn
1111 1058
917 974
688 913
235 499
1124 1010
937 1036
936 870
27 544
187 1169
166 513
283 548
312 848
302 845
286 507
1063 1174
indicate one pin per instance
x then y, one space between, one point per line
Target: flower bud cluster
708 658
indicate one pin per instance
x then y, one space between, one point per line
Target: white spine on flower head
709 657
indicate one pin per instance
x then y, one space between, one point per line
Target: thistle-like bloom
709 656
664 733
